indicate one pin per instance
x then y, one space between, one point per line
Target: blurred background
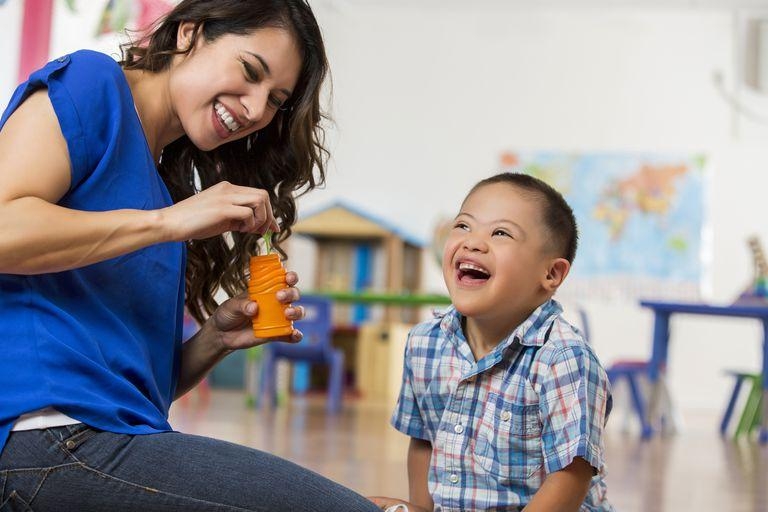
650 116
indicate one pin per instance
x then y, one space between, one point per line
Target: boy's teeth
226 118
470 266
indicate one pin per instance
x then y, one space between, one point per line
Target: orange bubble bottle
267 278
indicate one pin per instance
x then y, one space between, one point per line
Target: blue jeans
80 469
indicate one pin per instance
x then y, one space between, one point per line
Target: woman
118 184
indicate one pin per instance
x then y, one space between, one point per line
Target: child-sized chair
314 348
750 416
635 373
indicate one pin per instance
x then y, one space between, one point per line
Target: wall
10 33
425 99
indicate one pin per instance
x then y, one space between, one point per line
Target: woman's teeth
226 117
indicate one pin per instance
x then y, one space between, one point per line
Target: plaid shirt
498 426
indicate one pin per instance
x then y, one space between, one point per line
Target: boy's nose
475 243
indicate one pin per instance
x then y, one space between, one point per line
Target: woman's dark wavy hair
286 158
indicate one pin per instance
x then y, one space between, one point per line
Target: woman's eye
250 73
276 102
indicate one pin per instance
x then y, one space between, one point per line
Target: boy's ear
558 269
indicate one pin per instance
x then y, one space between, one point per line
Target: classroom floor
694 470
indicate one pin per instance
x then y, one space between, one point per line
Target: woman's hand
220 208
232 320
230 328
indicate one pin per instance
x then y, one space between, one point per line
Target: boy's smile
470 273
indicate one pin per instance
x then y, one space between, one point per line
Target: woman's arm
564 490
228 329
39 236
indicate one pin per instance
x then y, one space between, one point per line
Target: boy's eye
461 225
501 232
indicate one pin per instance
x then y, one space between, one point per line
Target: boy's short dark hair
556 212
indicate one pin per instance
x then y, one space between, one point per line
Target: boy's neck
483 337
484 334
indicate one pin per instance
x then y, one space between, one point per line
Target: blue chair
633 371
314 348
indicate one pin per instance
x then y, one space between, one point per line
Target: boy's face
495 263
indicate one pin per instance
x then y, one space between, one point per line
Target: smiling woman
256 90
209 126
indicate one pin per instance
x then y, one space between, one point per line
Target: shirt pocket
508 440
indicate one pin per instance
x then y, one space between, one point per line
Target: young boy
504 401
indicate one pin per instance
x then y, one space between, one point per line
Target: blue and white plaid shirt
500 425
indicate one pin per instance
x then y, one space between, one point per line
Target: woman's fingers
256 215
234 313
294 313
288 295
291 278
218 209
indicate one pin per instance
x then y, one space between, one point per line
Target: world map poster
640 218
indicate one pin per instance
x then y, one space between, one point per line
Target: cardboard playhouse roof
341 219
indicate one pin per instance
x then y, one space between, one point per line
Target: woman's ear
185 35
558 269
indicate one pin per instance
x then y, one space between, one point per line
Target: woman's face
229 88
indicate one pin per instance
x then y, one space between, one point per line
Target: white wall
425 99
426 95
10 33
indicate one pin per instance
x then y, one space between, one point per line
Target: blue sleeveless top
101 343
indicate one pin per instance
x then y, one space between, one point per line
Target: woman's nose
254 105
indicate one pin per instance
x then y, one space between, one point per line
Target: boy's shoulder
563 340
439 326
429 325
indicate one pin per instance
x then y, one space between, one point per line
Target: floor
693 470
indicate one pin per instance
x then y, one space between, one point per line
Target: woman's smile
223 122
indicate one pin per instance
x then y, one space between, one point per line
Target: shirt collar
532 332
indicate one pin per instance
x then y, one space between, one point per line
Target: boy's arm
419 455
564 490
